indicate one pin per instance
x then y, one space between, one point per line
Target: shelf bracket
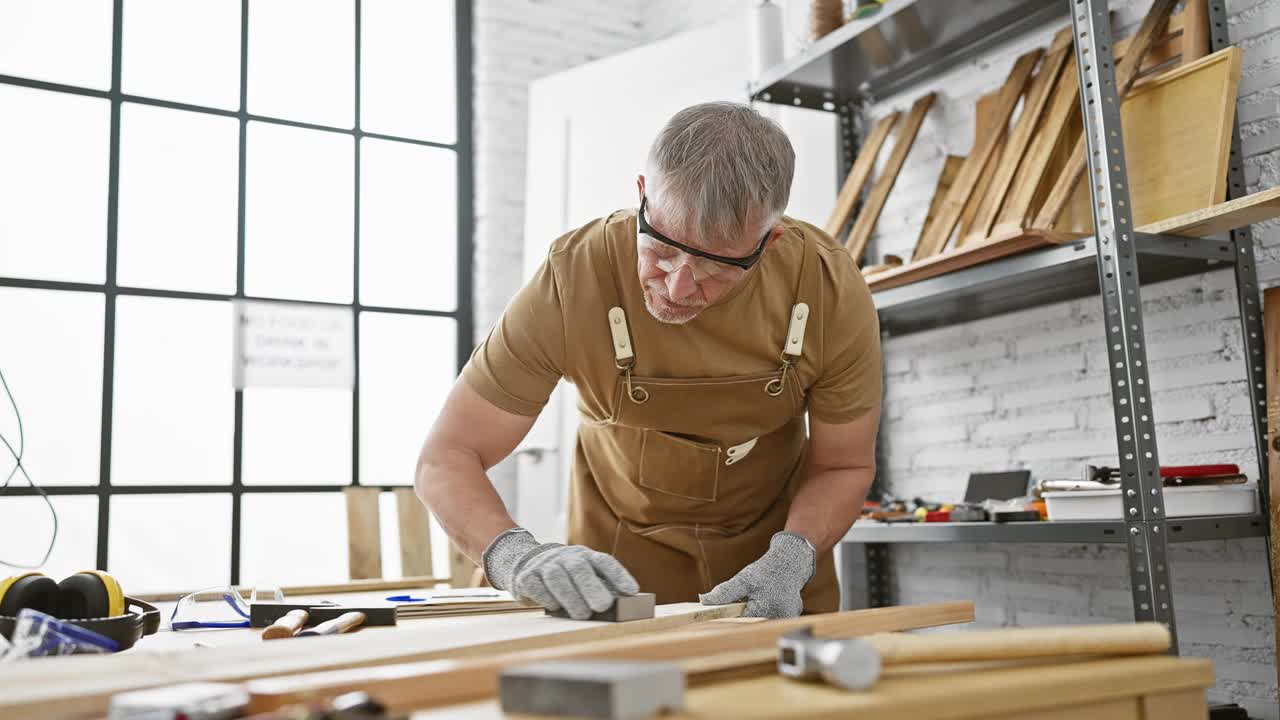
1117 256
1183 247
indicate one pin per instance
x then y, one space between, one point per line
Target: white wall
1021 390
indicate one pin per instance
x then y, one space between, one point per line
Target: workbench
1138 688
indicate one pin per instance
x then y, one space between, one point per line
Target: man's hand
771 585
573 577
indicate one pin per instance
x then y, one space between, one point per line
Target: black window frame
462 314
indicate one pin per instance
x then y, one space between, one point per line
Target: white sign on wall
280 344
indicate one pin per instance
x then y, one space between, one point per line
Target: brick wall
1025 390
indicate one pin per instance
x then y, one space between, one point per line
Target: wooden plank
364 533
351 586
1126 72
1034 165
905 138
1023 692
1220 218
1176 705
997 246
1271 334
85 684
1177 160
950 169
415 533
1019 142
421 685
949 213
859 174
1195 30
985 123
1126 709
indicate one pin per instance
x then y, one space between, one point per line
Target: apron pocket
680 467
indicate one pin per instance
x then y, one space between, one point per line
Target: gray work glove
573 577
771 585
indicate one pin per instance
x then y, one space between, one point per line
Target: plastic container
1178 502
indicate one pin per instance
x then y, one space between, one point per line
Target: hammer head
851 664
605 689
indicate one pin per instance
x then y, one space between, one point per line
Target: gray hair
719 171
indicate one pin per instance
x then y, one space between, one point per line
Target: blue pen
405 598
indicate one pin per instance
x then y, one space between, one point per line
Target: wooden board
1018 241
1019 140
1126 72
905 138
290 591
1271 339
364 533
84 684
1220 218
949 212
1195 30
1177 160
950 169
419 685
1034 165
415 533
859 174
985 123
1080 691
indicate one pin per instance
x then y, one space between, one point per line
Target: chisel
340 624
286 626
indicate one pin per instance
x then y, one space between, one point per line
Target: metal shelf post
1117 259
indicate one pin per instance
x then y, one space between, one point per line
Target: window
162 159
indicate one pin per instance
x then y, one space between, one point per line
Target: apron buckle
636 393
776 385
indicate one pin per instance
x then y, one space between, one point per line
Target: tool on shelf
262 615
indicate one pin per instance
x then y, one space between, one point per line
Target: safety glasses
218 607
743 262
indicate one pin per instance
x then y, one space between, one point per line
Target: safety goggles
218 607
742 262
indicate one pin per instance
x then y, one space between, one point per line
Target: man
698 330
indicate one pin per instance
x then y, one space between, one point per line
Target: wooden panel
998 246
1178 705
950 168
364 533
1195 30
1177 161
1271 321
859 174
1126 72
1019 141
1033 168
415 533
432 684
1221 218
985 123
870 213
949 212
84 684
948 696
1127 709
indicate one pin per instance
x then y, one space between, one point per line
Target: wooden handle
340 624
286 626
1016 643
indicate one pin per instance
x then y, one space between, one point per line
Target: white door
589 131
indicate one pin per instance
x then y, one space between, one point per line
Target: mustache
656 289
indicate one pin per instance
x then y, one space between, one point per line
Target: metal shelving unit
910 40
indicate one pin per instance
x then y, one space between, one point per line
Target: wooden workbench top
1139 688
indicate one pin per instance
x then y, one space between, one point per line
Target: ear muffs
29 590
90 594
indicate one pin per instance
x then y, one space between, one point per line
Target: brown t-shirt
556 326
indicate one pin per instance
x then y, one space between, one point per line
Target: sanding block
624 609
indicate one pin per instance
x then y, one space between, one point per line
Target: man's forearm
454 487
828 503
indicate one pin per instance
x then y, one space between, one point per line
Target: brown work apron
685 480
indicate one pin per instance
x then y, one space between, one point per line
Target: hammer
857 663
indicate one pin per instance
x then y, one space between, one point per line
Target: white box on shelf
1178 502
